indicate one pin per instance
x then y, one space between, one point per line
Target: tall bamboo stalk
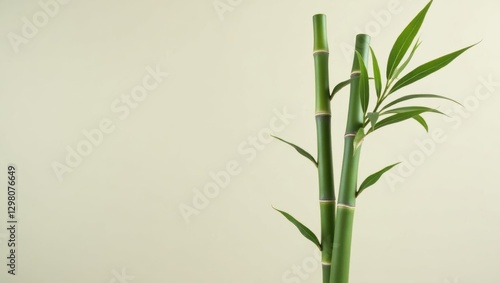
348 181
337 218
324 143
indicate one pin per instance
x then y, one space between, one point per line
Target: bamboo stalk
324 143
348 181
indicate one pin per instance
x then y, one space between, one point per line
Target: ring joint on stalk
323 114
346 206
326 201
321 51
326 263
349 135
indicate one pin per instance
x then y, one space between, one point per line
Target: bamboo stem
348 180
324 142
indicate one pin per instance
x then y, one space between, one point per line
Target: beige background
131 209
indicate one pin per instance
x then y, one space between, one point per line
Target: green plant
337 217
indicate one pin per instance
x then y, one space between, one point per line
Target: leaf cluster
387 112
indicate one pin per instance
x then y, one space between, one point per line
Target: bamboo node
323 114
346 206
321 51
326 263
326 201
349 135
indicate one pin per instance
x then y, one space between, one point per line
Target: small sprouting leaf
376 73
403 66
428 68
403 115
364 89
404 41
339 86
373 178
358 138
306 232
299 150
373 117
412 96
422 122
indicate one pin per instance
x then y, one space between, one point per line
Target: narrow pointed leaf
358 138
411 109
299 150
376 73
373 117
427 69
404 41
403 66
364 89
413 96
402 116
396 118
422 122
339 86
373 178
306 232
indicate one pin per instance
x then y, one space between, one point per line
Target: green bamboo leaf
402 116
339 86
422 122
373 178
376 73
358 138
427 69
373 117
299 150
364 89
306 232
404 40
413 96
396 118
411 109
403 66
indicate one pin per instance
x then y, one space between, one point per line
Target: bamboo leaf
411 109
396 118
422 122
404 40
364 89
373 178
299 150
403 66
339 86
306 232
358 138
413 96
402 116
427 69
376 73
373 117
